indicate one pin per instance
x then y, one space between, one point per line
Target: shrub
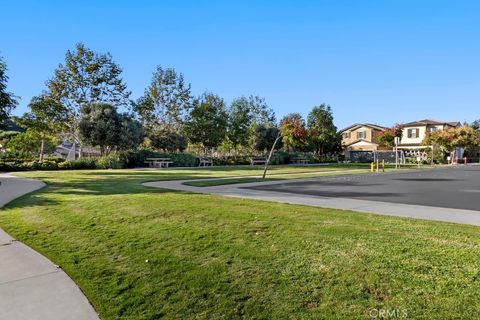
83 163
41 165
21 165
181 159
283 157
112 161
16 156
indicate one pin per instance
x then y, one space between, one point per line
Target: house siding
422 131
353 135
411 140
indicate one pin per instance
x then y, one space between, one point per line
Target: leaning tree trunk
270 155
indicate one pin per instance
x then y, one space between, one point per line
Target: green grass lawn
211 257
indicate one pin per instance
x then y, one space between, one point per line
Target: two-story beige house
361 137
414 132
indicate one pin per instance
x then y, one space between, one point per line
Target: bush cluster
9 163
19 162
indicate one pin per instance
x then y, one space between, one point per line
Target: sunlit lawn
211 257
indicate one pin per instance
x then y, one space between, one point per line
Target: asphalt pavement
453 187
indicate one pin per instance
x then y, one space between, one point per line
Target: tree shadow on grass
32 199
84 187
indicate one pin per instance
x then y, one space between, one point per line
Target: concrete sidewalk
31 286
377 207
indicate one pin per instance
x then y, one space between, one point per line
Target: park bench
299 161
205 162
257 160
158 162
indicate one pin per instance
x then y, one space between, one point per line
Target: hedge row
137 159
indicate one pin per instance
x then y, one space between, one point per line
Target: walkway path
31 286
377 207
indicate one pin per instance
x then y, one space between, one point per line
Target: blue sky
373 61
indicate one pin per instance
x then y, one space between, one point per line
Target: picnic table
158 162
257 160
299 161
203 161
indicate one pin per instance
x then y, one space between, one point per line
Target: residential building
361 137
414 132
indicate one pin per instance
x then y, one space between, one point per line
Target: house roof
427 122
358 125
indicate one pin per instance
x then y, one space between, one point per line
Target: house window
413 133
433 129
346 135
361 135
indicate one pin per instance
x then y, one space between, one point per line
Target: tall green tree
265 136
8 101
163 109
240 117
130 133
47 117
322 133
166 101
101 125
244 115
5 137
293 132
87 77
168 140
30 141
207 121
261 112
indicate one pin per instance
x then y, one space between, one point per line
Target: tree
207 122
130 133
387 138
466 137
163 109
5 137
30 142
265 136
293 131
240 117
166 101
168 140
322 132
261 112
8 101
87 77
447 140
47 117
101 125
444 139
244 116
